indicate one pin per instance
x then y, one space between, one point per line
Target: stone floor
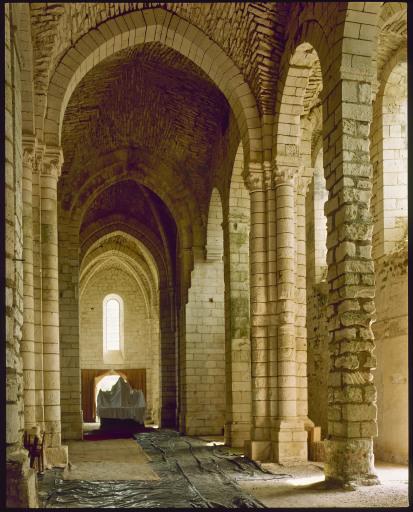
305 488
201 472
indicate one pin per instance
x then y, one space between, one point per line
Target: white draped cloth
121 402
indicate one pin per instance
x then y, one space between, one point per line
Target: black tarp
192 474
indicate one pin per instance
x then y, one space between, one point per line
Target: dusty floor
201 472
303 489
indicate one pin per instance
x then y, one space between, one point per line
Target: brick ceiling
152 99
129 200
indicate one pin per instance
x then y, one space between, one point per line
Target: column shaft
271 292
301 294
37 291
27 343
289 437
56 454
259 446
50 306
286 249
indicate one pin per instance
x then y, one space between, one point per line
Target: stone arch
389 155
144 271
137 231
129 266
307 47
394 109
133 259
390 253
148 26
104 177
106 235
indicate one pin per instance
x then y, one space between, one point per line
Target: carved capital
284 175
268 176
254 177
52 163
38 162
303 184
28 156
51 168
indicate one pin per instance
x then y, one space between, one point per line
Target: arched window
112 323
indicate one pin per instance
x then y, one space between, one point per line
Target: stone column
289 437
351 392
27 343
271 267
37 287
56 454
259 446
302 183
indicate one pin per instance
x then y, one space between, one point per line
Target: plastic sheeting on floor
192 475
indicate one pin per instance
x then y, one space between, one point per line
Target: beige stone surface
305 488
117 459
238 171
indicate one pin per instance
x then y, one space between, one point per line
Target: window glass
112 325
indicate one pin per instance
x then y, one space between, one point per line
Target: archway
390 253
295 137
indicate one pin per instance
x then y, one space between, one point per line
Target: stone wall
140 344
237 315
21 481
204 393
317 299
252 38
318 358
391 376
205 350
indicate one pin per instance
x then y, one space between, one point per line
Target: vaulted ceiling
151 99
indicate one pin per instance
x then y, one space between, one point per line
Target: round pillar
27 343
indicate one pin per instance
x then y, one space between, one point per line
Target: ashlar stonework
237 174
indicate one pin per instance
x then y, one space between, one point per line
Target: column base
237 433
289 442
308 424
21 482
167 417
350 461
56 457
258 450
202 424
